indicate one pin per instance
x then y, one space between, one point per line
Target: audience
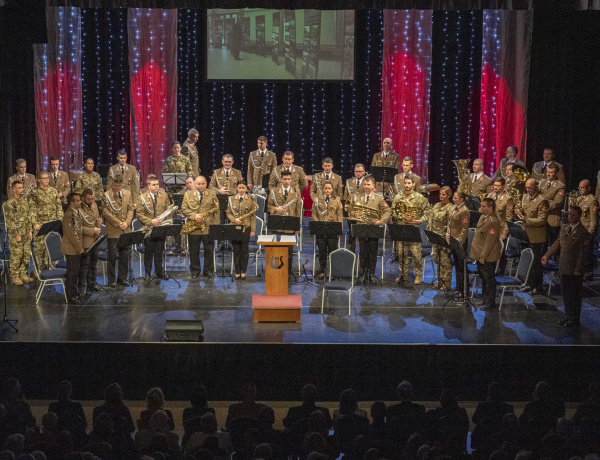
70 413
247 407
155 400
494 408
405 406
309 396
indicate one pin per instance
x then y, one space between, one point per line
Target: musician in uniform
46 207
573 244
458 227
201 206
152 205
510 159
72 245
19 220
316 187
553 191
534 216
327 208
368 246
420 212
224 181
117 209
439 218
510 179
286 201
59 179
589 219
189 150
260 162
89 179
91 220
177 163
388 159
353 188
28 180
539 169
241 210
481 184
128 173
485 250
505 210
298 176
398 186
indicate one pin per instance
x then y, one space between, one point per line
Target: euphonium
464 177
362 213
516 190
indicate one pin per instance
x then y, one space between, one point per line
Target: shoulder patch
492 231
465 220
562 191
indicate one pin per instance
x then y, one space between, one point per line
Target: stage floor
379 315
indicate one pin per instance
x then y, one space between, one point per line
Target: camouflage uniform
417 200
180 164
45 207
19 221
92 181
438 223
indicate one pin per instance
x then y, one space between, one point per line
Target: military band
92 222
189 150
28 180
241 210
72 245
354 187
439 219
327 208
327 175
458 227
298 176
260 163
129 176
224 181
398 185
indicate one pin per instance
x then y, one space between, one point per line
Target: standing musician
407 164
286 201
539 168
189 150
458 227
19 223
505 210
91 220
72 245
439 219
46 207
511 159
128 173
224 181
589 219
354 187
416 210
260 162
177 163
510 178
152 204
485 250
298 176
28 180
553 191
327 208
201 207
59 179
572 243
89 179
387 159
480 183
534 216
117 209
368 246
241 210
316 187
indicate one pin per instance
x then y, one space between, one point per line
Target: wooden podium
276 305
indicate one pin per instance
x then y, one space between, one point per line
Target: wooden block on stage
276 308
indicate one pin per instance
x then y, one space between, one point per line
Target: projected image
266 44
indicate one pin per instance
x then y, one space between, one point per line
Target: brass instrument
362 213
515 191
191 225
243 216
225 184
332 211
464 176
403 210
572 199
147 229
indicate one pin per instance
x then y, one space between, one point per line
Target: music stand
52 226
383 173
178 199
283 224
265 181
459 250
404 234
4 274
174 179
367 231
224 233
327 230
162 231
473 203
126 240
437 239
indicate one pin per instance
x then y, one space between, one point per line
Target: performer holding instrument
327 208
410 208
201 208
92 222
316 187
553 191
129 176
260 162
224 181
354 187
298 176
458 227
511 159
241 210
439 218
72 245
28 180
153 209
19 221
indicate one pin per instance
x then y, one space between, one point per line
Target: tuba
516 190
362 213
464 176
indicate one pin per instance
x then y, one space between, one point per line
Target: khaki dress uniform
92 180
480 185
589 215
423 211
539 171
398 186
236 208
188 149
501 171
259 164
206 204
535 210
327 210
298 177
61 182
353 188
439 219
391 160
19 219
46 207
87 268
149 208
227 179
293 207
486 246
458 227
28 180
505 210
316 187
117 208
554 193
71 246
131 181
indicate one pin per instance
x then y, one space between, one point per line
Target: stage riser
281 370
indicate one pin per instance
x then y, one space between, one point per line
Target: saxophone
191 225
243 216
162 219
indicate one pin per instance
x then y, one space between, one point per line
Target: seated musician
151 211
46 206
241 210
328 208
458 227
224 181
368 246
201 207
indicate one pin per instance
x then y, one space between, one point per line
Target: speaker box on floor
184 330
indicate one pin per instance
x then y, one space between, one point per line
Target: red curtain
504 84
406 78
153 85
57 89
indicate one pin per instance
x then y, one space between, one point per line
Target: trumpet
362 213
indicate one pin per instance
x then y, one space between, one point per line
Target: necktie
120 197
474 178
368 196
327 199
200 196
262 154
154 201
227 174
358 183
241 199
122 170
544 168
285 194
54 177
326 176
